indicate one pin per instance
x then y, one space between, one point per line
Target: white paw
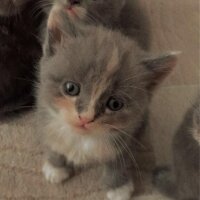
122 193
54 174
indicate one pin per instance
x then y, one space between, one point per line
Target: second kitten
125 16
182 182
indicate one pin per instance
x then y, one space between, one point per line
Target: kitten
183 183
123 15
94 91
20 50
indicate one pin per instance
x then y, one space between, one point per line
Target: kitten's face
94 86
98 82
11 7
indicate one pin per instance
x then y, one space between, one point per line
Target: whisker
25 107
94 19
136 76
134 88
23 79
127 149
125 133
121 157
40 6
113 149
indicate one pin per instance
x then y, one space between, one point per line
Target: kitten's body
186 149
87 144
125 16
20 50
184 182
107 69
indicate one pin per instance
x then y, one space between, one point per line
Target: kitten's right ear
53 32
59 29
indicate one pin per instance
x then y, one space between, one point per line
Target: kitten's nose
85 120
73 2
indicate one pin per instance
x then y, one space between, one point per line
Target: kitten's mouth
71 10
72 7
83 128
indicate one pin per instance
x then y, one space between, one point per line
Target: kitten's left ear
159 68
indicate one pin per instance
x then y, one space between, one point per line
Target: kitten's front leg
56 169
119 182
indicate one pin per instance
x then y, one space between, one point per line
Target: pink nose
85 120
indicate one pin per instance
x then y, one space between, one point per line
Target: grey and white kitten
183 182
93 96
126 16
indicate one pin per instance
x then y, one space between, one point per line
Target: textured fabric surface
20 169
176 27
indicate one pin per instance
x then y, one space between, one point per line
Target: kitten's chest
78 149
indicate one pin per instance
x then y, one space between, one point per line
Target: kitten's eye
71 88
114 104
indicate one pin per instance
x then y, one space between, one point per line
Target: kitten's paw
55 174
122 193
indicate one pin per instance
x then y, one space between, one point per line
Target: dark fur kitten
12 7
184 182
20 50
123 15
94 92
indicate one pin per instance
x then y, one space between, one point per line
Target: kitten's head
99 81
11 7
94 10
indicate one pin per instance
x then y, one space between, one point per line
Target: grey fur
184 176
187 155
126 16
81 54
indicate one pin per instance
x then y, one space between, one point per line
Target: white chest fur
79 149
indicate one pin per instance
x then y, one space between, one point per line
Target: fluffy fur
82 129
20 50
122 15
182 182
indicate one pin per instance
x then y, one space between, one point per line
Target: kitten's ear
159 68
53 37
59 29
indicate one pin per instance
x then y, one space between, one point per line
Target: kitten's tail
164 181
